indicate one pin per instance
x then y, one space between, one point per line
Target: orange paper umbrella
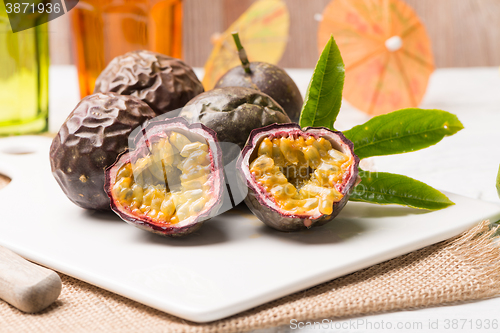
386 51
263 30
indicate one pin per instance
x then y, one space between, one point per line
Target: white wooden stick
27 286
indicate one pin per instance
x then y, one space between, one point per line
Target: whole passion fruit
90 140
233 112
163 82
297 178
271 80
171 182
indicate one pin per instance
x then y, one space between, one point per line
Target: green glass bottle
24 78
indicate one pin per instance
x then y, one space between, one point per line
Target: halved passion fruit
172 181
297 178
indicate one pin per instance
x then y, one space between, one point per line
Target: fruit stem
242 54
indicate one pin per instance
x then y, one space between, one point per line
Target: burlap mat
464 268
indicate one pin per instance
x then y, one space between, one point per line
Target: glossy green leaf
388 188
402 131
324 94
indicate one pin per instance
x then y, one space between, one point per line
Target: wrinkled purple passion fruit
297 178
171 182
90 140
163 82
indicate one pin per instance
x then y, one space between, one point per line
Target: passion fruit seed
170 184
301 174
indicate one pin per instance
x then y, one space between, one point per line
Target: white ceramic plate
232 264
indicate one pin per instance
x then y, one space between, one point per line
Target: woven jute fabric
464 268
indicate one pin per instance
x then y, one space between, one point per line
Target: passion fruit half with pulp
171 182
297 178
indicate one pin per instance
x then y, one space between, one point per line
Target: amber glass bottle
104 29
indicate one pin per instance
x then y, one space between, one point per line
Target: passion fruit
233 112
90 140
171 181
163 82
271 80
297 178
268 78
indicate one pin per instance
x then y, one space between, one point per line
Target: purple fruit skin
271 80
271 216
90 140
233 112
164 83
154 129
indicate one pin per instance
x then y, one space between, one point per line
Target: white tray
232 264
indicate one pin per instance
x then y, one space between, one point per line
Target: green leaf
402 131
324 94
388 188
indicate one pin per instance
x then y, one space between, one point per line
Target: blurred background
464 33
